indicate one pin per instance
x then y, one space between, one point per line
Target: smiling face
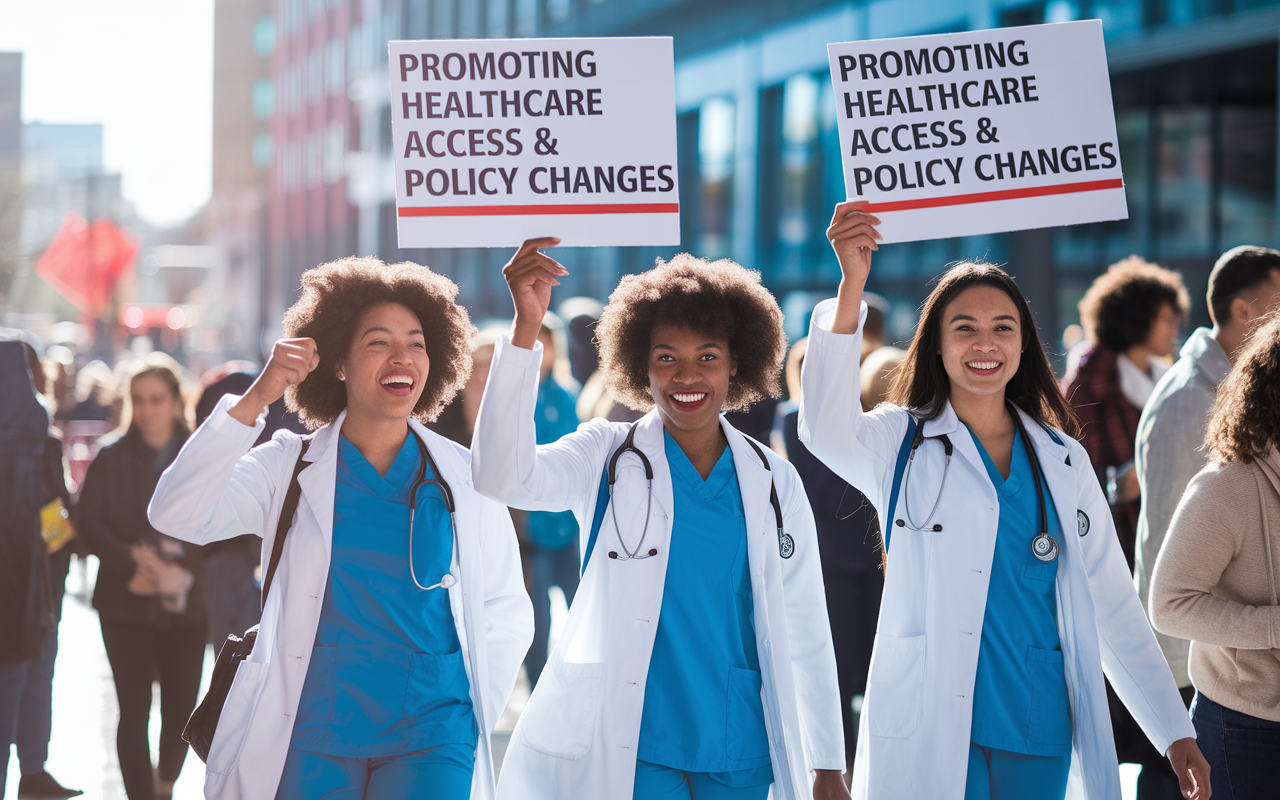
386 368
689 376
981 341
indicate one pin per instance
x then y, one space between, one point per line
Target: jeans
13 676
550 568
138 656
1242 750
35 716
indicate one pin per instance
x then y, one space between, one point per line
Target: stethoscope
439 482
1043 545
786 545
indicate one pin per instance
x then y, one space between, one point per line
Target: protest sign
980 132
501 140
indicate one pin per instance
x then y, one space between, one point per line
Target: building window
334 151
335 70
263 150
264 36
498 19
264 98
716 152
559 10
526 18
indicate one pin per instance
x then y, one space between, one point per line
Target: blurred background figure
1243 286
551 536
149 592
458 420
580 315
233 602
35 717
1130 315
1216 576
27 615
849 543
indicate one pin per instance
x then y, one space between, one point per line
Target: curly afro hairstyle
1123 303
719 298
1245 423
337 294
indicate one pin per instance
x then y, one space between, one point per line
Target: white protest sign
501 140
980 132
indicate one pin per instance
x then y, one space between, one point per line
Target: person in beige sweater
1215 580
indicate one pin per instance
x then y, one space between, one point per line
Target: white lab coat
217 488
578 736
913 736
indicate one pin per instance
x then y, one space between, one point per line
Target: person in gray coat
1244 284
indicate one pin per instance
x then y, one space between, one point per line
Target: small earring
342 376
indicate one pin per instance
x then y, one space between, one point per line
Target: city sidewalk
82 753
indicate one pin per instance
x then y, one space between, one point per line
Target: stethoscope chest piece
1044 547
786 545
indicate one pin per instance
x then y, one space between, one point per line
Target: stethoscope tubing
446 494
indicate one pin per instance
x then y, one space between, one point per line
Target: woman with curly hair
1217 574
696 661
997 622
364 680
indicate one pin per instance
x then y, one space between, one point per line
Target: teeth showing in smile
688 397
393 379
984 364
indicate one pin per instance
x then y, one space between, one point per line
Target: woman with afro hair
696 661
393 630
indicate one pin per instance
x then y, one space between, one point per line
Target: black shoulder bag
204 720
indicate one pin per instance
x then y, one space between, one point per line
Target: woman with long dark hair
1006 593
149 593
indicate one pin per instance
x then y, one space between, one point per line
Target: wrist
248 408
524 332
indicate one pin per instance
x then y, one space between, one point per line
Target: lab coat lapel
754 481
318 482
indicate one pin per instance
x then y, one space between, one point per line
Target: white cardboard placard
979 132
501 140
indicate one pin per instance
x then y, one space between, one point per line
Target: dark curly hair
719 298
1245 423
1123 303
921 381
337 294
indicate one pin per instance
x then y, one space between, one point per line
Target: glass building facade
1193 82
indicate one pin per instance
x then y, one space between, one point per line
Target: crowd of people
780 564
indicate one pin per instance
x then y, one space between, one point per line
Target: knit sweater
1215 583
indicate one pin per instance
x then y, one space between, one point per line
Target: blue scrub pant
440 773
999 774
656 782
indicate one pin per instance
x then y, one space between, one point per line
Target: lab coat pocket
746 734
896 688
435 681
1050 719
560 719
237 712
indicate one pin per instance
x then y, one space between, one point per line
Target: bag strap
773 487
904 452
287 510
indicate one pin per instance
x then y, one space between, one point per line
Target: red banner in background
84 262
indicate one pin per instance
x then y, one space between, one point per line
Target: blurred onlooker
26 614
849 545
149 593
1243 286
877 371
1216 578
35 717
1130 315
552 536
458 420
96 396
232 599
580 315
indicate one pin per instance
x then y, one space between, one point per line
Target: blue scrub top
703 710
386 674
1020 694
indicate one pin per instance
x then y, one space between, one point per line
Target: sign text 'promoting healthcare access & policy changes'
980 132
501 140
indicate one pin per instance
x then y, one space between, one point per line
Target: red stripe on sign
507 211
987 197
